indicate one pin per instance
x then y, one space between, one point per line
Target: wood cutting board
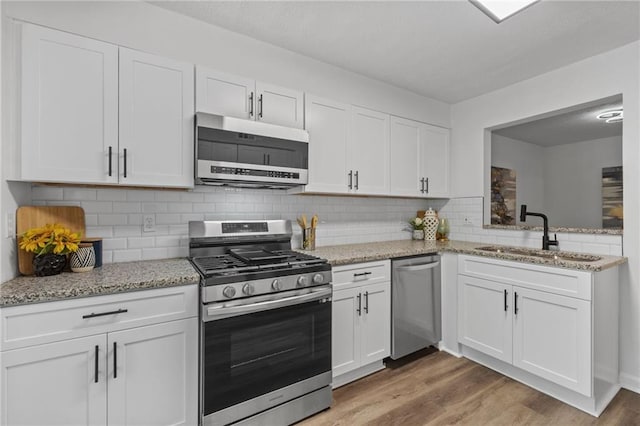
27 217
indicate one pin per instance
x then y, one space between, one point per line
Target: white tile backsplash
116 216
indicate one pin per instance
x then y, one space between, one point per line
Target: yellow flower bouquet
50 243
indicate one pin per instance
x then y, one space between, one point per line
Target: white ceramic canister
430 225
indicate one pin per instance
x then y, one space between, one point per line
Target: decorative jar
84 259
430 225
442 233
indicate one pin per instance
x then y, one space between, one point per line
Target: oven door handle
219 312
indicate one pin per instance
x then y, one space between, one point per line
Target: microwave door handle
231 311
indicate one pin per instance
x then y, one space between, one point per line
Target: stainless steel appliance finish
266 324
235 152
415 304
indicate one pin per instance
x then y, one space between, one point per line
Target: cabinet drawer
561 281
359 274
53 321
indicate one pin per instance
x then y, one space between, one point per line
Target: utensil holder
309 239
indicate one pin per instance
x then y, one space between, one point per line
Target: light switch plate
10 225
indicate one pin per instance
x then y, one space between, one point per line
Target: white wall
573 181
610 73
149 28
527 160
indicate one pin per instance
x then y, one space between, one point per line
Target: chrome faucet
546 242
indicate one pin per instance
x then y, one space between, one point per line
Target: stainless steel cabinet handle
426 181
260 106
125 163
506 294
110 165
264 159
515 303
350 179
251 105
422 185
95 373
359 310
361 274
421 267
115 360
268 159
101 314
366 302
357 180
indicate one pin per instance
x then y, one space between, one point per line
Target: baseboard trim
629 382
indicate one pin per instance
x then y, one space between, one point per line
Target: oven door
259 354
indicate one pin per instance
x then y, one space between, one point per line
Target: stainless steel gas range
265 324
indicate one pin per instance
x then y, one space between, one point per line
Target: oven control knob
318 279
276 286
229 292
248 289
302 281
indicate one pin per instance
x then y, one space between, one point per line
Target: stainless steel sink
550 255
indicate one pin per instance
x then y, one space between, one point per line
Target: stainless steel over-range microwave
237 152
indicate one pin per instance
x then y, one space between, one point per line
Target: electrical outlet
149 223
468 222
10 225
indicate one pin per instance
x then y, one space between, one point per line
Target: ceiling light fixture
499 10
613 113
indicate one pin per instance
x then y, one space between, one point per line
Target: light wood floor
440 389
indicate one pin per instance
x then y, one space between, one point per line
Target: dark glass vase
48 264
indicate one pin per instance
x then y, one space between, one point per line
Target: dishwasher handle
421 267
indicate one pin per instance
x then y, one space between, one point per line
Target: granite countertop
108 279
367 252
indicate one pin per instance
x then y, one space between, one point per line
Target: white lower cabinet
361 320
130 376
55 384
552 328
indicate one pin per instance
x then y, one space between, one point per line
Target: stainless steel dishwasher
415 304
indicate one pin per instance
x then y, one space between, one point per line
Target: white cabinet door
224 94
375 322
552 338
404 157
328 125
345 331
485 316
435 158
156 120
153 374
55 383
69 107
369 151
279 105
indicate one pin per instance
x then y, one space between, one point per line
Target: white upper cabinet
368 155
405 167
240 97
328 125
435 161
224 94
156 120
419 159
96 113
69 107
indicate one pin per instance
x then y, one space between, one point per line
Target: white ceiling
576 124
446 50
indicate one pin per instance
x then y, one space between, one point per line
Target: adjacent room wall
611 73
573 181
527 160
564 181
